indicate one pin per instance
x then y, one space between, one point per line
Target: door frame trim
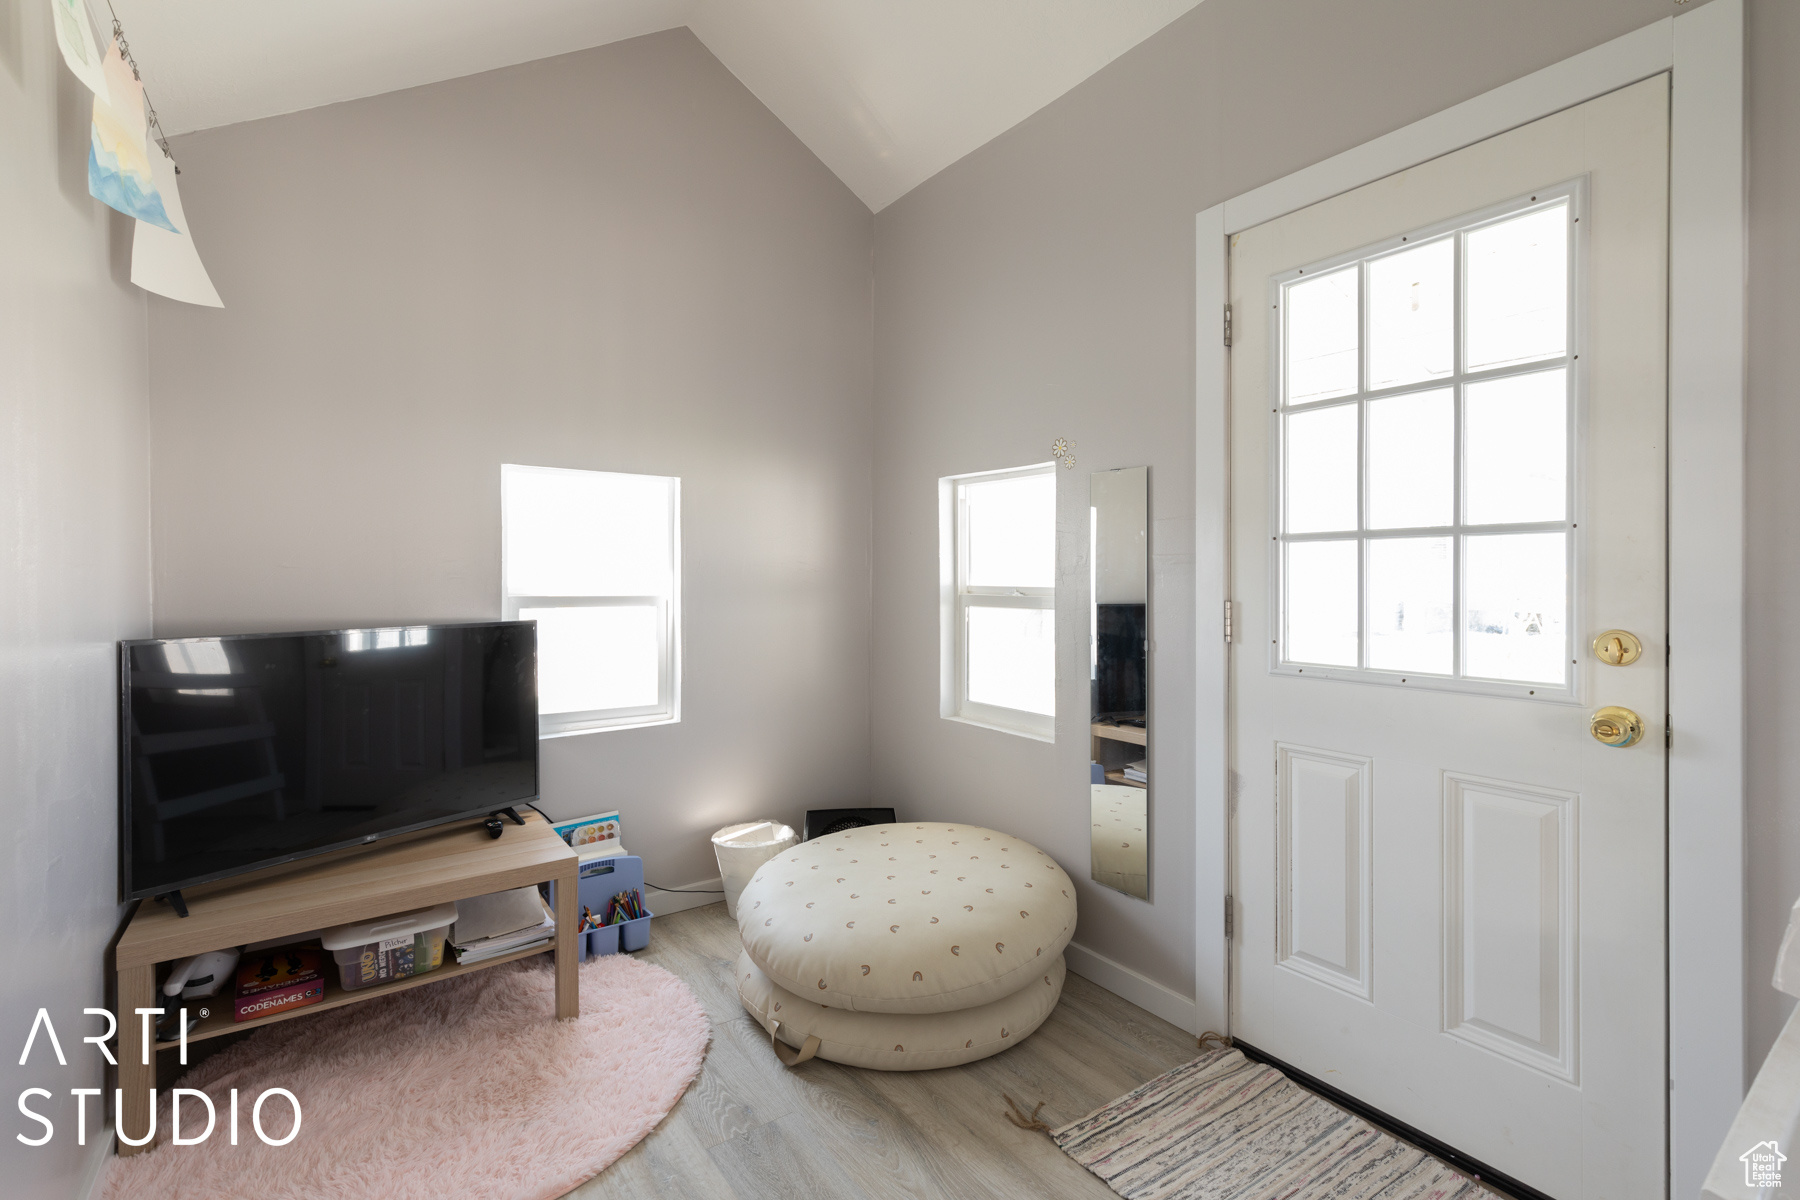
1704 51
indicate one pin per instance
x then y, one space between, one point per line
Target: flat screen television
242 752
1120 689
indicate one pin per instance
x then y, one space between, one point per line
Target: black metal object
174 900
495 826
821 821
1472 1167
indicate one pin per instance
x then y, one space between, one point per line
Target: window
1424 444
594 558
998 578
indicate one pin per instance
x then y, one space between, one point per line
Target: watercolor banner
76 39
168 263
118 160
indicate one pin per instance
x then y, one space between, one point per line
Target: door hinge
1228 326
1228 920
1228 621
1668 734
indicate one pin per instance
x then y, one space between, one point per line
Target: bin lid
359 933
753 833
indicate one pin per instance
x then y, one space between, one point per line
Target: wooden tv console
450 864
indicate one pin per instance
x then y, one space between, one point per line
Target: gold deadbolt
1615 726
1618 648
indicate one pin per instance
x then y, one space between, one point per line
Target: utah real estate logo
1762 1165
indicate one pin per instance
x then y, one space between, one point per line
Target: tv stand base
391 877
173 900
495 826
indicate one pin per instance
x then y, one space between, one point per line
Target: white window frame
1566 690
667 709
956 597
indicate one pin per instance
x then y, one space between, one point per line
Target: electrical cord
677 891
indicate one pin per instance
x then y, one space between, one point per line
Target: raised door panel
1323 884
1509 905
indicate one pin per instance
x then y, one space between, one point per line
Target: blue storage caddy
599 880
635 934
595 942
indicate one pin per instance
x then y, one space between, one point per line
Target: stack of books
501 923
1139 771
277 979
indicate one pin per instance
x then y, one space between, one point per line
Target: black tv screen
1120 689
242 752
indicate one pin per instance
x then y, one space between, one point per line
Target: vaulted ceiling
886 92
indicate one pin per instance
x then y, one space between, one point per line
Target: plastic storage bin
635 935
390 948
595 942
741 849
601 879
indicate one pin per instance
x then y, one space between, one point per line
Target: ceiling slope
886 92
889 93
217 62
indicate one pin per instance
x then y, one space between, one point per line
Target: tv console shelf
1136 735
450 864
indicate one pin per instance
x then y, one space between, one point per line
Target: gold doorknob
1615 726
1618 648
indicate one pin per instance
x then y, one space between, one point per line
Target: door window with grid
999 577
1425 417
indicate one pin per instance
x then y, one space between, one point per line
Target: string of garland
161 139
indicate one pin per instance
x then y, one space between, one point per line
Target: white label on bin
394 943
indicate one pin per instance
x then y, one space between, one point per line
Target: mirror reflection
1119 770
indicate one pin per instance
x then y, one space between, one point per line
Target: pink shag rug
468 1088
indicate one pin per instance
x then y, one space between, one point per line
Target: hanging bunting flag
168 263
118 160
76 38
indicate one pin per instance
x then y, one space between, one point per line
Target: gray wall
1043 287
74 578
1774 500
611 260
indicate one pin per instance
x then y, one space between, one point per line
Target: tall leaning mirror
1118 706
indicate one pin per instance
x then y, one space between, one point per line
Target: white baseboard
692 895
93 1172
1128 984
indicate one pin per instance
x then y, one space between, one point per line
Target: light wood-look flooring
753 1129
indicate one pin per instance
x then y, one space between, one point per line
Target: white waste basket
743 848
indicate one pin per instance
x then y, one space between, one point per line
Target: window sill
1016 730
629 723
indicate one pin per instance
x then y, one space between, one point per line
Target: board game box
278 979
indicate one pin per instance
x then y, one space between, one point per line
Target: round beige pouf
907 918
900 1041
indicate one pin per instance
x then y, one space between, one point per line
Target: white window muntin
1567 690
958 597
666 607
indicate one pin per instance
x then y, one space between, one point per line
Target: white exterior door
1448 462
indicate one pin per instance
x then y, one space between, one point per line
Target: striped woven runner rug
1225 1128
